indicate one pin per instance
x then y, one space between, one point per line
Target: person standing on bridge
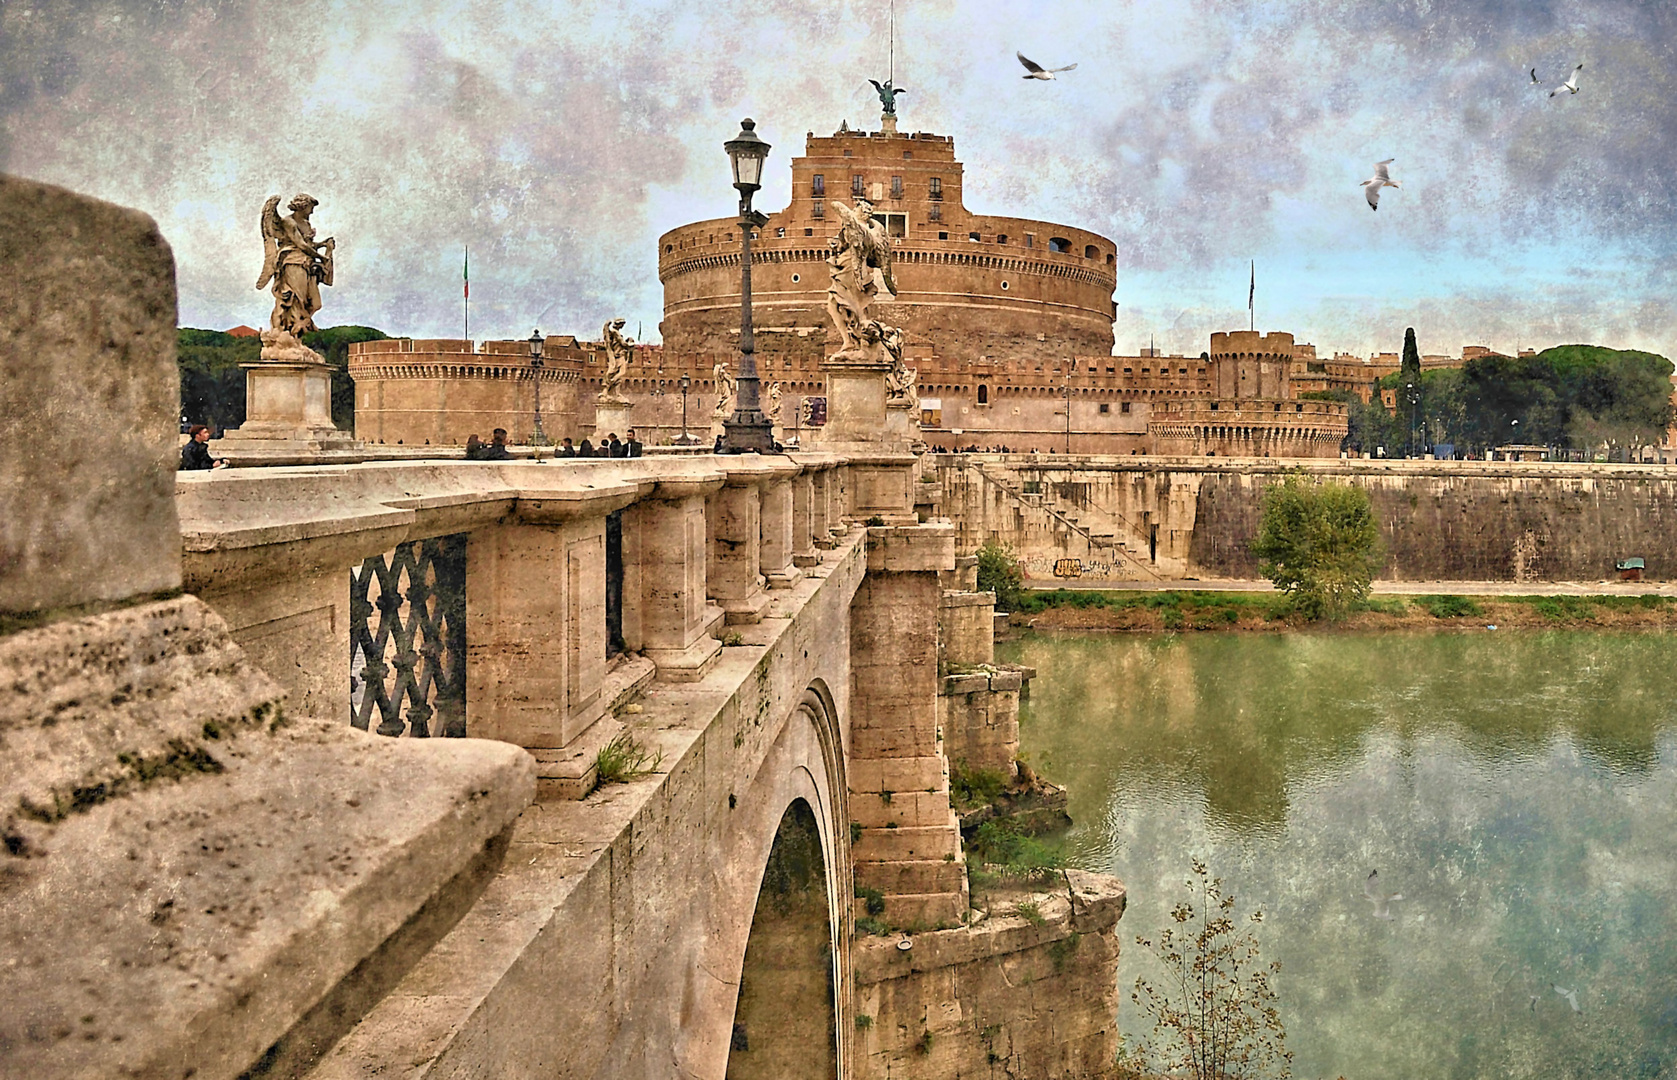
195 455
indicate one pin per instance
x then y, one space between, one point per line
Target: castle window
973 237
1299 407
780 232
847 153
818 185
1123 406
809 232
858 187
818 209
1091 252
1145 371
908 155
896 187
935 214
935 191
1004 286
1030 240
943 236
668 248
983 394
1105 408
1109 260
796 278
1059 243
1129 371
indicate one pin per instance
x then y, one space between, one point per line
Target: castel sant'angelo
1007 322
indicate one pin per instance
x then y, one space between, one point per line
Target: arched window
983 394
1091 252
1059 243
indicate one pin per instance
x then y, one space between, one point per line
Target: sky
559 140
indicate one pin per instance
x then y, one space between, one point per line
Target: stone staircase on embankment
1085 522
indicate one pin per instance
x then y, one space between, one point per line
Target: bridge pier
909 846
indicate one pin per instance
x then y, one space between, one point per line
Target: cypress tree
1411 369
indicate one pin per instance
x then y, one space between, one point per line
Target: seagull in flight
1382 900
1570 84
1382 178
1571 997
1037 71
1534 79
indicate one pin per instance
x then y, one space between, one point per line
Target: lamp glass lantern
536 340
747 151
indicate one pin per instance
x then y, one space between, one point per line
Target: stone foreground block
87 361
186 874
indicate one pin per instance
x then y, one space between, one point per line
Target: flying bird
1534 79
1570 84
1382 178
1382 900
1571 997
1037 71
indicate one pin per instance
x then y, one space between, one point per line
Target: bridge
443 768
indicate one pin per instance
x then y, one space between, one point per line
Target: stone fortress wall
1194 518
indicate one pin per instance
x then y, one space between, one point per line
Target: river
1518 788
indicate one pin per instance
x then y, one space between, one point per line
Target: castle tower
1246 364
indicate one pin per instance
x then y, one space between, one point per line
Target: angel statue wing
270 240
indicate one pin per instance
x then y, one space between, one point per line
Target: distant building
244 331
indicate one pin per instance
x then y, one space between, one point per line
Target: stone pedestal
611 416
902 423
288 402
856 402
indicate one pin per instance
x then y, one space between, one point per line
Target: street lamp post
748 428
536 377
686 385
1414 404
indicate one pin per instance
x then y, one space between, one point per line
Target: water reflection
1520 789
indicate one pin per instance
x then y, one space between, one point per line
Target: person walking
195 455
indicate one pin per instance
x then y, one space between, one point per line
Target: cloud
559 141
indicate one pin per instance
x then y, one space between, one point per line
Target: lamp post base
745 432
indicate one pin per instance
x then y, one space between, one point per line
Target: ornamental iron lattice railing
407 639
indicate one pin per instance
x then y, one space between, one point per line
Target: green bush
1449 607
1001 844
974 787
1319 544
998 572
872 899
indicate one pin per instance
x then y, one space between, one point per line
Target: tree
1319 544
1215 1019
998 572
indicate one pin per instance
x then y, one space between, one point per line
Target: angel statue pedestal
288 404
288 391
611 417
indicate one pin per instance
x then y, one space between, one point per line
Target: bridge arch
784 882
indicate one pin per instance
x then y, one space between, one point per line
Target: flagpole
1251 294
466 291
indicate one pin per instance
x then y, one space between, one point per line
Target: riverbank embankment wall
1164 519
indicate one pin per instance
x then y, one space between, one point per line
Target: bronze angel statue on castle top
296 265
